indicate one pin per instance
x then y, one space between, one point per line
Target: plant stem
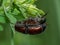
12 35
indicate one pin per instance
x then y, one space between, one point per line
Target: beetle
31 26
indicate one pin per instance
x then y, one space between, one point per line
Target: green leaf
24 1
21 10
24 12
19 1
2 19
6 3
30 1
9 16
41 12
17 15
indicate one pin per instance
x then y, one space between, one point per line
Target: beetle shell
31 26
35 30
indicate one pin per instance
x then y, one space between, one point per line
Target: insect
31 26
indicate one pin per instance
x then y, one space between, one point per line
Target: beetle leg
26 29
44 26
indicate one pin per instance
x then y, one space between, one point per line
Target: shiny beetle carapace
31 26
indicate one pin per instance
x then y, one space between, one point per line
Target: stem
12 37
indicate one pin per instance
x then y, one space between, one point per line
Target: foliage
17 10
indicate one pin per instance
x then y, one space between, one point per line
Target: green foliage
10 18
12 11
17 10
